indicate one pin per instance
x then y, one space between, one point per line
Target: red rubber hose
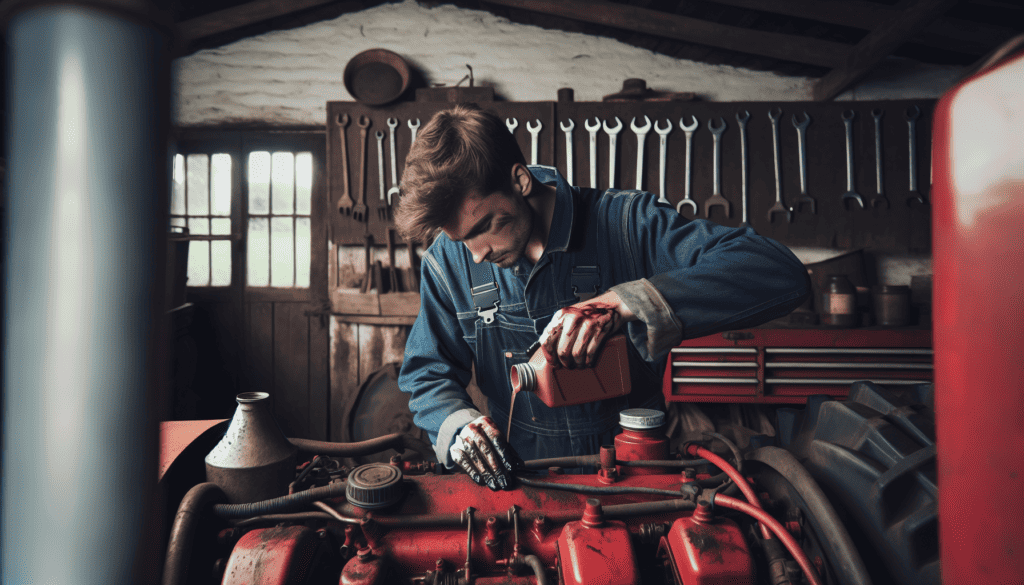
766 520
694 449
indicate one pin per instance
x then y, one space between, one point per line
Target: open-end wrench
742 121
689 159
511 124
568 148
612 138
641 138
774 114
880 198
593 149
534 133
345 201
913 113
382 211
801 141
413 128
359 211
716 197
848 116
663 143
393 191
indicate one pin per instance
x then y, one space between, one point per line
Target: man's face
495 228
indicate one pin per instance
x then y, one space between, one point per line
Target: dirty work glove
482 451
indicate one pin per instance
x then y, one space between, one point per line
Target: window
280 199
201 203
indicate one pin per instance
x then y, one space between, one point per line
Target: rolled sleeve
661 329
449 428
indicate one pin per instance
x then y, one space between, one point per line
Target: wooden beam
878 44
244 15
691 30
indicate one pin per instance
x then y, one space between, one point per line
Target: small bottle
558 386
839 303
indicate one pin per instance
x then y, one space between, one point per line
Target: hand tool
641 138
774 114
568 148
913 112
382 211
663 143
801 140
345 201
593 149
511 124
880 198
359 211
392 124
392 272
716 197
742 121
848 116
534 133
612 137
368 277
689 158
413 128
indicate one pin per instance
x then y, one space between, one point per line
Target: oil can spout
523 377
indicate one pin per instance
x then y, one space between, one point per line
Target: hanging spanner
413 128
774 114
593 149
382 211
345 201
742 121
393 191
663 143
848 116
716 197
913 113
641 138
568 148
612 138
880 198
511 124
801 141
359 211
534 133
689 159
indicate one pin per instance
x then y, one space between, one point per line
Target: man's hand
575 333
482 451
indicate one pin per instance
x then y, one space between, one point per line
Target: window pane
303 183
220 226
199 254
198 170
220 255
302 256
199 226
221 177
178 221
282 259
283 187
258 246
259 183
178 186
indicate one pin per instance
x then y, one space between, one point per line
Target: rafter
247 14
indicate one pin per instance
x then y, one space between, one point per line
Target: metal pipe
179 548
396 441
83 294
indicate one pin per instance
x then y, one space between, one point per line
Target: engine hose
599 490
281 504
396 441
848 564
584 460
538 568
748 492
179 549
766 520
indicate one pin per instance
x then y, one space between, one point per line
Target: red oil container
558 386
641 439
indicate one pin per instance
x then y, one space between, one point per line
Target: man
515 246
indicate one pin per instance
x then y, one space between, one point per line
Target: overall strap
484 289
586 273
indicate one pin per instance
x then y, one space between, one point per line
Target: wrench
612 138
359 211
913 113
848 116
345 201
593 149
779 206
568 148
880 198
663 142
641 138
511 124
413 128
801 140
742 121
716 197
382 210
534 132
392 124
689 158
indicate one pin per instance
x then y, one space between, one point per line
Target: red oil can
558 386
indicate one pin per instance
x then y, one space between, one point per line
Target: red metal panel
709 553
597 554
978 200
273 556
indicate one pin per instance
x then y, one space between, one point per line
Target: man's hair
460 152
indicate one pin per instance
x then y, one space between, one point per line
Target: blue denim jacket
683 279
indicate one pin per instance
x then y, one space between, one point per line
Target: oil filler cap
374 485
641 419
